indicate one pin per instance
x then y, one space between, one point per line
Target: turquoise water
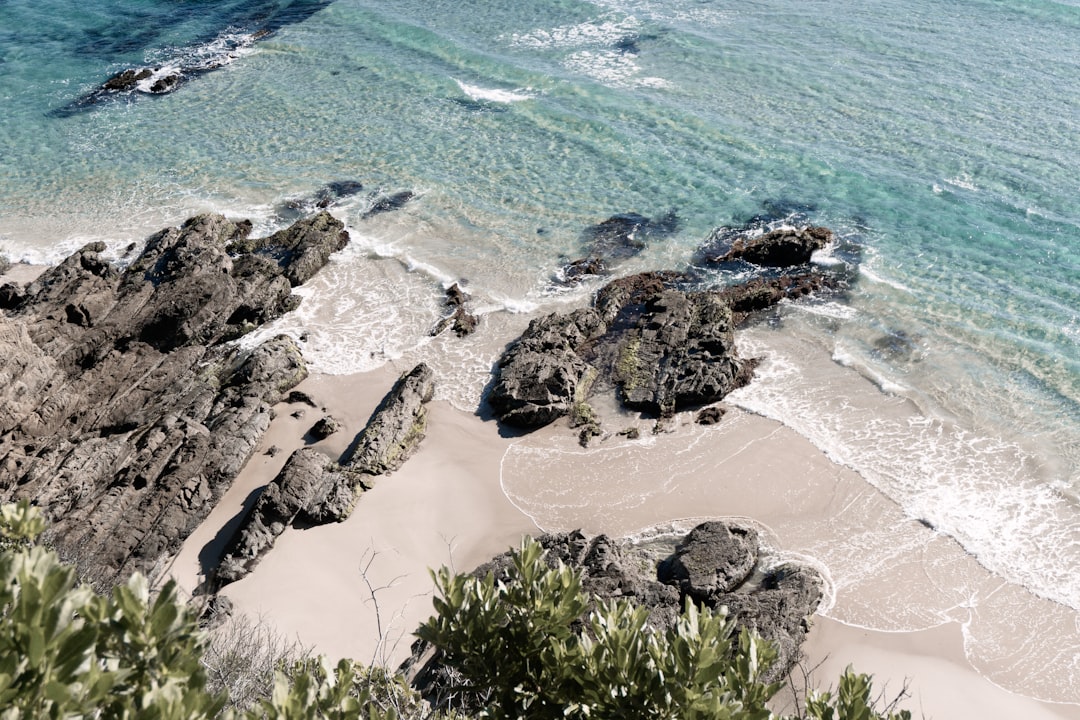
940 139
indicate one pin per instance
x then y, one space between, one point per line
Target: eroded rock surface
123 412
718 564
782 247
316 490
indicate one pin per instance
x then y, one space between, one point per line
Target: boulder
397 426
302 482
540 376
324 427
712 566
782 247
715 558
680 354
126 414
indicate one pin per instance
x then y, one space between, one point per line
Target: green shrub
518 654
66 651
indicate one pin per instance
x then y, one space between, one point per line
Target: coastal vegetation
515 649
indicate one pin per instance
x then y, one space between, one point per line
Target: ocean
939 140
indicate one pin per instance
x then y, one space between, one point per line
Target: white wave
516 306
962 181
835 310
866 272
612 68
984 491
495 95
596 33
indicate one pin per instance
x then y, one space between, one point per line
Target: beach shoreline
359 588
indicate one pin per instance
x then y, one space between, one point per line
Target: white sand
469 493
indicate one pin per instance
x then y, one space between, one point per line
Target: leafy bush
517 651
66 651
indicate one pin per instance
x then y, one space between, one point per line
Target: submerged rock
616 239
389 203
123 412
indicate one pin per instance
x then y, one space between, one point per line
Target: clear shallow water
941 139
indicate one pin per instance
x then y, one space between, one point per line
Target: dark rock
540 376
630 433
250 23
299 396
273 451
165 83
710 415
783 247
324 428
301 249
460 320
681 354
627 234
11 296
618 238
389 203
303 482
330 193
714 558
584 267
313 489
721 555
760 293
125 414
588 433
126 79
396 427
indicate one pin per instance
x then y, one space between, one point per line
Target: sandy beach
360 587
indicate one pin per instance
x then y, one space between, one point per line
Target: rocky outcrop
396 427
680 353
715 558
460 320
663 348
717 565
316 490
539 378
658 339
782 247
125 414
247 25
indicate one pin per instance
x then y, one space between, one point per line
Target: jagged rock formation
315 490
718 564
123 413
460 320
782 247
663 346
